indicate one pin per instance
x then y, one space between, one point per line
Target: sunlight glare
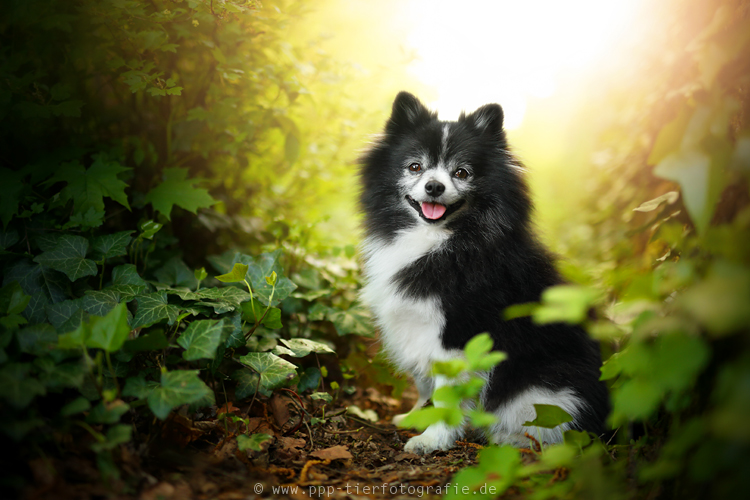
475 52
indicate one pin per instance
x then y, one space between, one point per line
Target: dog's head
427 171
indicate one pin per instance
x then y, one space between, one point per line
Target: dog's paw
426 443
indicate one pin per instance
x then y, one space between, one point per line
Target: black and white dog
448 246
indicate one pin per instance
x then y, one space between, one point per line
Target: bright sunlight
506 52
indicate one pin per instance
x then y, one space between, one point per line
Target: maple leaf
177 189
88 187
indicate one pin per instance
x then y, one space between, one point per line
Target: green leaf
111 331
651 205
579 439
153 308
327 398
17 387
65 316
309 379
635 399
549 416
274 372
78 405
12 299
200 274
138 387
302 347
116 435
69 257
176 189
176 272
37 339
691 170
247 382
354 321
107 413
425 417
236 275
88 187
148 229
254 442
152 341
177 388
568 303
201 339
111 245
99 302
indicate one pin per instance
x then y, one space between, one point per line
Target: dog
448 246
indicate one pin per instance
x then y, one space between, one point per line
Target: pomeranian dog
448 247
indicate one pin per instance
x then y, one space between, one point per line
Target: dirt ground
315 451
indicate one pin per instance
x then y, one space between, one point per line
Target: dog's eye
415 167
461 173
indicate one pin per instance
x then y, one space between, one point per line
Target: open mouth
433 212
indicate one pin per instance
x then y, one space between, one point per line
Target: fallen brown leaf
338 452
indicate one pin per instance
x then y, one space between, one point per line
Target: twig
342 432
368 424
537 446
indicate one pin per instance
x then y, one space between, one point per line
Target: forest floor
197 456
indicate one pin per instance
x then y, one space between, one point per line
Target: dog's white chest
410 328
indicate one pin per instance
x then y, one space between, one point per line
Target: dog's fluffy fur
448 246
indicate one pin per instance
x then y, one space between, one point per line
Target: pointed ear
488 119
407 113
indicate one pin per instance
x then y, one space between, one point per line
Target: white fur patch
513 414
410 328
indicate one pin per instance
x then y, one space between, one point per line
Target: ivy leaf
111 245
201 339
302 347
177 388
100 302
549 416
274 371
88 187
356 320
13 300
176 189
247 383
176 272
17 387
69 257
236 275
111 331
138 387
254 442
153 308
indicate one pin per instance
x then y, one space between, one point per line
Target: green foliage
462 384
141 150
666 230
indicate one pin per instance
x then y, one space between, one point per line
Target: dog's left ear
488 119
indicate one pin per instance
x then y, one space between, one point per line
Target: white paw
427 442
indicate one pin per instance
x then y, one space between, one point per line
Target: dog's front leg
424 386
438 436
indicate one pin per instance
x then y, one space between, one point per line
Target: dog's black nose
434 188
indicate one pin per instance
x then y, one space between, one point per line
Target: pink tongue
432 210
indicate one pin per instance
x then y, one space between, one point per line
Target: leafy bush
118 118
667 226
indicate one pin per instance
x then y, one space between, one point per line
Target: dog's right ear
407 112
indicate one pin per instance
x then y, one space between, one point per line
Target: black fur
492 260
